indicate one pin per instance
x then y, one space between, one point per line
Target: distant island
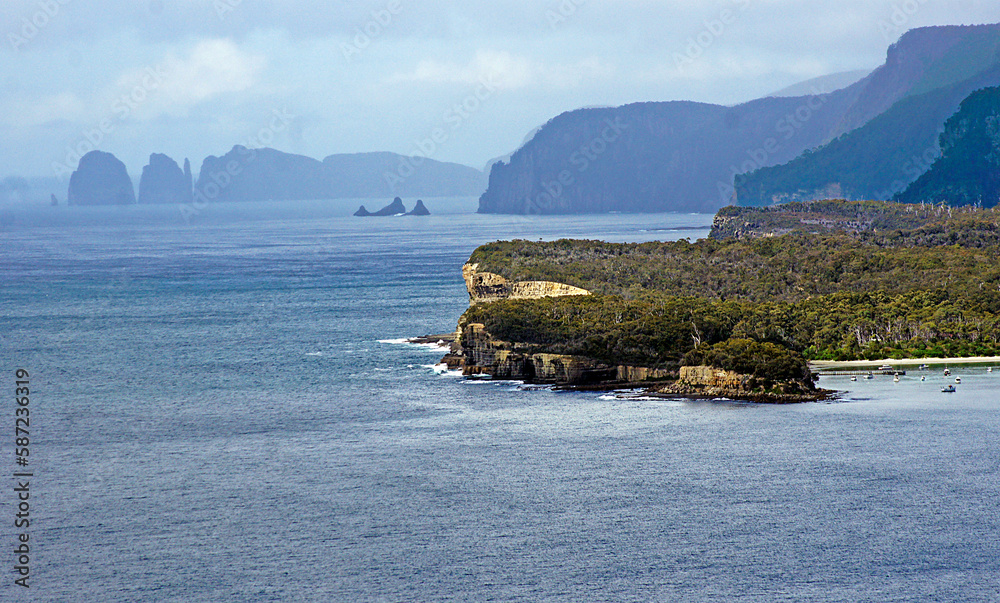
741 312
245 174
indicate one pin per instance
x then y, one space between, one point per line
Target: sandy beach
834 364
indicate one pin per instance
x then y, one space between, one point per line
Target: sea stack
393 209
188 181
100 179
163 181
362 212
419 209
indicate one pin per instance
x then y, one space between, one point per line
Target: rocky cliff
486 287
712 382
100 179
478 353
163 181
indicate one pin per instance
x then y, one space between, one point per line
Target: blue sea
223 408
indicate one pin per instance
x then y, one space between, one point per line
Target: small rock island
396 208
100 179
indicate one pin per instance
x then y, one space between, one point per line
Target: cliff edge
487 287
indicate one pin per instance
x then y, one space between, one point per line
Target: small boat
924 367
947 372
885 367
895 379
923 378
948 389
958 379
869 376
854 378
989 369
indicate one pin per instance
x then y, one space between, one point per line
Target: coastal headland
748 313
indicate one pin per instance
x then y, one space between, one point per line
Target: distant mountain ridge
887 153
245 174
684 156
834 81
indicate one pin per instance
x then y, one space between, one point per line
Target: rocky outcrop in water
419 209
163 181
395 208
100 179
712 382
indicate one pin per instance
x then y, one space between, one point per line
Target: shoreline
834 364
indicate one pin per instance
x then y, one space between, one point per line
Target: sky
192 78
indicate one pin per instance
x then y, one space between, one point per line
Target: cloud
512 72
213 68
47 109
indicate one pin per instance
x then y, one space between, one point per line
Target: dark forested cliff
968 171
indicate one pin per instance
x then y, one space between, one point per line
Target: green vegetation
763 361
907 282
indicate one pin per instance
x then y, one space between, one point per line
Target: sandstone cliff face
486 287
712 378
712 382
480 354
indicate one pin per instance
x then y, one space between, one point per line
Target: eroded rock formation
100 179
163 181
486 287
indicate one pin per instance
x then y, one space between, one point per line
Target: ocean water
223 410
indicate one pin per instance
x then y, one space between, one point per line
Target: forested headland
830 280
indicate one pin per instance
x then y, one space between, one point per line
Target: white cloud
510 71
212 68
55 107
